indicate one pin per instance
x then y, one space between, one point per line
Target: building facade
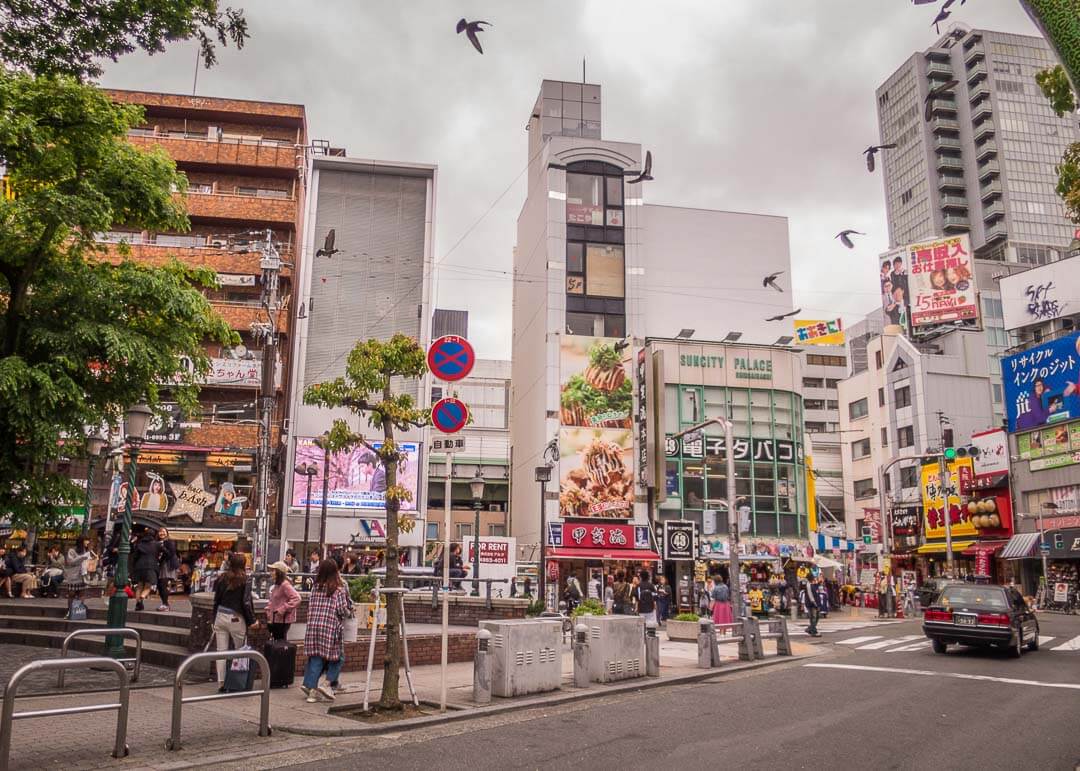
823 367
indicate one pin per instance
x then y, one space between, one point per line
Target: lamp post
322 443
476 485
136 421
1050 507
543 476
94 445
308 470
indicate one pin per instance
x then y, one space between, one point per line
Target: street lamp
323 444
308 470
136 421
94 445
476 485
1051 507
543 476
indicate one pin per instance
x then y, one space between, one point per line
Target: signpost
449 415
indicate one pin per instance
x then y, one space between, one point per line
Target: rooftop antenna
583 70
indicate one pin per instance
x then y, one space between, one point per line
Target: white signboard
498 559
993 455
243 372
235 279
1041 294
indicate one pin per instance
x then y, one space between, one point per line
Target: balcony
981 112
976 73
217 259
197 150
979 93
989 169
939 106
957 202
241 316
944 124
951 182
994 211
229 207
987 149
956 222
984 130
996 232
974 52
939 69
990 190
946 143
938 55
950 162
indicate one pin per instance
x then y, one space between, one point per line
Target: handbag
350 629
240 675
78 611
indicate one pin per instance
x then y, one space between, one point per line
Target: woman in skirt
77 563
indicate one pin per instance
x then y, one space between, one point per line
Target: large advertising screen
356 479
942 281
1042 384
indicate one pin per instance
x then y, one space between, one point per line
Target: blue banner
1042 384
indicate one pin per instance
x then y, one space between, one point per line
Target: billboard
894 285
596 473
596 387
1041 294
993 457
819 331
1042 384
356 479
934 494
942 281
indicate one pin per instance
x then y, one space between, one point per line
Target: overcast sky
746 105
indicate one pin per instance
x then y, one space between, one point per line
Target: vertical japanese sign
942 497
1042 384
942 281
640 385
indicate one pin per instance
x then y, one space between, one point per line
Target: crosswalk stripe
1043 639
912 647
1071 645
857 640
886 643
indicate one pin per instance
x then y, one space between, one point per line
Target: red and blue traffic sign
450 358
449 415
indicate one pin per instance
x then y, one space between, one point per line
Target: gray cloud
747 106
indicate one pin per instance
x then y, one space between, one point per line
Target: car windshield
974 597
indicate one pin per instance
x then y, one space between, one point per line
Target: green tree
367 389
54 37
81 336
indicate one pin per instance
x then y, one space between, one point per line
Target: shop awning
984 547
939 547
583 553
824 562
824 542
1020 546
179 534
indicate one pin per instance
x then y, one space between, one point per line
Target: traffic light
1059 540
947 448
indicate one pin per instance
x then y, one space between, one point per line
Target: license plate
964 619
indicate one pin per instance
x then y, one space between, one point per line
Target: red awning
582 553
987 547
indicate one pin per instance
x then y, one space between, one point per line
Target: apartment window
831 383
864 488
813 382
464 530
881 397
432 531
879 360
996 389
903 396
815 427
497 530
860 448
814 404
831 404
909 476
826 361
596 324
905 436
884 437
858 409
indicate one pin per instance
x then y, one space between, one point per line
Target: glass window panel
614 326
591 112
581 323
571 110
765 524
716 477
614 191
571 91
671 407
691 405
693 482
575 257
605 271
672 477
789 525
742 479
584 202
571 126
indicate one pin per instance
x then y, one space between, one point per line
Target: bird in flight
933 94
770 280
471 28
646 173
783 316
845 237
328 249
872 150
943 14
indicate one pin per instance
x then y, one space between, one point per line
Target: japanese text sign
1042 384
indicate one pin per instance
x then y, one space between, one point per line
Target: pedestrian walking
283 602
234 610
313 562
20 573
809 601
594 587
572 594
822 597
882 592
528 589
328 606
645 597
609 593
78 562
663 599
705 598
721 603
168 568
53 574
620 595
147 554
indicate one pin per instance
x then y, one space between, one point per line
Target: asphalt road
878 697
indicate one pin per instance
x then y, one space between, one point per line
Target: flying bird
770 280
943 14
471 28
844 236
646 174
872 150
783 316
328 249
933 94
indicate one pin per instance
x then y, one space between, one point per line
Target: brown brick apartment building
244 163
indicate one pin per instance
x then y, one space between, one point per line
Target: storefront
584 550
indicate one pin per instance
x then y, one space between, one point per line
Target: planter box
683 631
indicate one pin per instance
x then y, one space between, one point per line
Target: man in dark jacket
808 599
147 555
645 594
20 574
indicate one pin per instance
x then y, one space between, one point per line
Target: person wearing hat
284 600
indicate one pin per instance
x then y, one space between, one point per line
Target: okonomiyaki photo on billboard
942 281
596 385
596 477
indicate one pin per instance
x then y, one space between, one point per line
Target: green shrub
360 588
686 617
535 608
592 607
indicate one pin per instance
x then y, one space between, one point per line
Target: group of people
623 593
62 571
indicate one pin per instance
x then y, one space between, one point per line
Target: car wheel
940 646
1034 644
1016 650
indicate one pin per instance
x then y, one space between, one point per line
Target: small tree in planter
683 627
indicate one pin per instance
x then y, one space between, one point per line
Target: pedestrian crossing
837 626
914 642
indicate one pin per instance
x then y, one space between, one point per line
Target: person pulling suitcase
280 615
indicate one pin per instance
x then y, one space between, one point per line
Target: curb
639 684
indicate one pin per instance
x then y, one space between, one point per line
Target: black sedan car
931 588
981 615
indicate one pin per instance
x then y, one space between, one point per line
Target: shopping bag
78 611
350 629
240 674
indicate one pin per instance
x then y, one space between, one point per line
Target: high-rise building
243 161
983 164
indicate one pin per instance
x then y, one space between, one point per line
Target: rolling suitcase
281 656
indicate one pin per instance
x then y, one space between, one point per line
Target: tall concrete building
823 367
983 163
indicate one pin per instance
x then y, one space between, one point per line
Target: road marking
1043 639
857 640
891 641
957 675
1071 645
914 647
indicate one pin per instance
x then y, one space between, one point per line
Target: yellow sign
819 332
157 458
228 459
933 497
811 495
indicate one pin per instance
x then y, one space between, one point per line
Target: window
814 404
815 427
831 404
496 529
432 531
464 530
879 360
813 382
881 397
903 396
858 409
436 393
909 477
826 361
884 437
604 271
584 199
864 488
831 383
996 389
860 448
905 436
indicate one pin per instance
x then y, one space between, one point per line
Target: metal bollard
783 642
581 656
706 640
759 646
746 644
481 686
652 650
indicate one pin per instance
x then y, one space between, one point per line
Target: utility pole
267 334
944 481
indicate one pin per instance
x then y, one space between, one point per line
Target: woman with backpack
620 595
573 594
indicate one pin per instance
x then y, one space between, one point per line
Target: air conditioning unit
494 507
217 243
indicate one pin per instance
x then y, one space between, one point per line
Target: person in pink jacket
284 600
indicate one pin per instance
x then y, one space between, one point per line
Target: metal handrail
120 748
108 632
179 700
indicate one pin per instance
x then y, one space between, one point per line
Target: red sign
1056 523
872 520
599 536
982 562
553 569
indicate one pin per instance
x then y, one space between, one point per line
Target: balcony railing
984 129
990 190
950 162
945 124
198 148
976 73
938 68
946 143
979 93
954 221
951 182
996 231
954 202
989 169
242 208
986 150
994 211
981 112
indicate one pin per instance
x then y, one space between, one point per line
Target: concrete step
94 612
156 653
169 635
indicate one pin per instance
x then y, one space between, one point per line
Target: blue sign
1044 548
449 415
450 358
554 533
1042 384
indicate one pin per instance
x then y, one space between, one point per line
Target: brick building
244 164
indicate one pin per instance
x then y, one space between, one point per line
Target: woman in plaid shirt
328 606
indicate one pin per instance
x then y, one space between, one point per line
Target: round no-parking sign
450 358
449 415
